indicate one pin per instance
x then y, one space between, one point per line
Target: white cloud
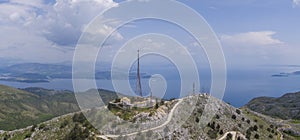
262 38
35 31
296 2
254 48
71 16
33 3
25 46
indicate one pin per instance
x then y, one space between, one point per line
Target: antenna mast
194 89
138 82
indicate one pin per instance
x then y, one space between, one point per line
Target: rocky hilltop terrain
227 122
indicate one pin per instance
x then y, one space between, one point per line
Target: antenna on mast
138 81
194 90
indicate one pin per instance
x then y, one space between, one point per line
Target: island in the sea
39 73
286 74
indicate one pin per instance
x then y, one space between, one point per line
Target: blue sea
242 85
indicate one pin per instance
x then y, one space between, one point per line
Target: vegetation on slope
68 127
284 107
227 122
21 108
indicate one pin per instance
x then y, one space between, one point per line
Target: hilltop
227 123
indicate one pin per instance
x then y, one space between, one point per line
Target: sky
251 32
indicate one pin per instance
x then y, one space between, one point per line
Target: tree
197 120
255 128
256 136
261 126
33 128
77 133
238 111
79 117
64 124
156 106
212 134
42 126
233 117
248 132
239 125
272 131
229 136
248 121
162 102
221 132
212 126
28 135
248 136
218 127
270 136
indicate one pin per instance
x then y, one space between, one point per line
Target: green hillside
227 123
22 108
284 107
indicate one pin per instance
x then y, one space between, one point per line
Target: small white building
125 101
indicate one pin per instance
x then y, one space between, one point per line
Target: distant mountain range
36 73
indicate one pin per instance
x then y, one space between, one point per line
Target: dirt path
170 116
235 135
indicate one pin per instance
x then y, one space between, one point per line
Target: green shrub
77 133
28 135
255 128
229 136
33 128
197 120
42 126
64 124
218 127
79 117
212 134
270 136
243 119
221 132
248 121
256 136
238 111
239 125
233 117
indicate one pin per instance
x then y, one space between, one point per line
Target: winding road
170 116
235 135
